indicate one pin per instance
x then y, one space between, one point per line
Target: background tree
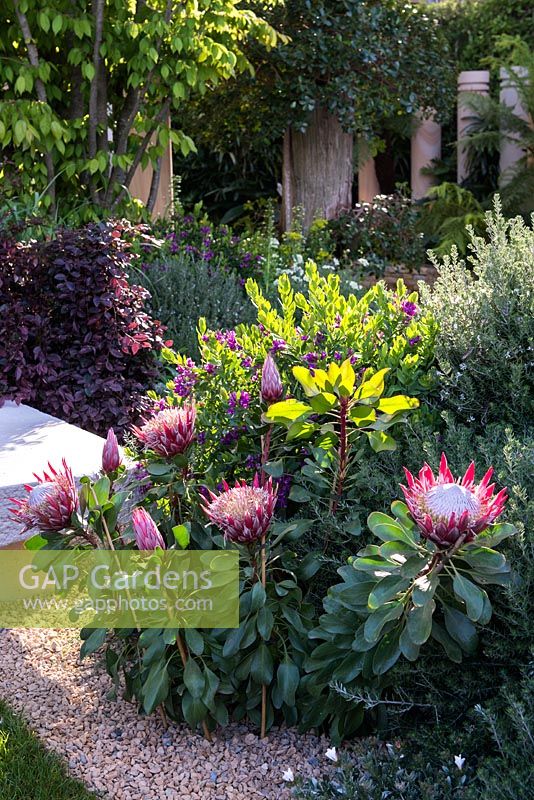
347 67
87 87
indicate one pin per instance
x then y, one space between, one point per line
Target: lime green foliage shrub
484 307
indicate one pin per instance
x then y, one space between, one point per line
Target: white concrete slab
29 440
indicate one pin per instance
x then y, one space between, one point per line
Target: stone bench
30 439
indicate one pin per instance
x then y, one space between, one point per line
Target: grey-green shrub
485 309
184 289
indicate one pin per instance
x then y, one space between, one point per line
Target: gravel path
122 756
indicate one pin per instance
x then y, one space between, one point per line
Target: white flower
288 775
331 754
459 761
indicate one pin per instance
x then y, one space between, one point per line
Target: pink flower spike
243 513
49 505
272 388
147 535
111 457
445 509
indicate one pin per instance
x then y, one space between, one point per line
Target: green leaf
306 380
400 402
155 687
101 491
381 441
362 415
472 596
323 402
424 589
57 23
182 536
409 649
449 645
233 641
373 388
194 641
376 621
258 597
485 559
299 494
261 666
413 566
495 534
419 622
265 622
387 653
194 679
94 641
288 679
388 529
461 629
386 590
193 709
287 411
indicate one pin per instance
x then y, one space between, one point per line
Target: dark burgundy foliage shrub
75 340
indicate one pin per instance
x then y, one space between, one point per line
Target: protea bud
169 432
243 512
49 505
272 387
147 535
445 509
111 457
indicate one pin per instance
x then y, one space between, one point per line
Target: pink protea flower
111 457
169 432
445 508
49 505
147 535
242 512
272 387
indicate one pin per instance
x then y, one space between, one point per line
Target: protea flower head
445 508
111 457
50 505
242 512
169 432
272 387
147 535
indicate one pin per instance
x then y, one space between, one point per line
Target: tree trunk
319 175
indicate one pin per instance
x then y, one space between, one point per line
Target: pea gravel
122 756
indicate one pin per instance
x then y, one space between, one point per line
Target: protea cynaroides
242 512
272 387
111 457
147 535
169 432
50 505
446 509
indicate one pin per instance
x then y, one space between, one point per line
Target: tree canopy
87 87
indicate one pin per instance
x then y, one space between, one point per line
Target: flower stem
343 450
264 687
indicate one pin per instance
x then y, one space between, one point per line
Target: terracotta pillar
368 186
468 81
511 151
425 147
142 179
